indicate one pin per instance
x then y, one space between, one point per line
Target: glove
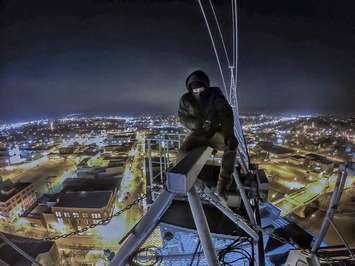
231 142
206 125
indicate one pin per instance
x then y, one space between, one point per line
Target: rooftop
9 189
318 158
36 211
276 149
30 246
84 199
87 184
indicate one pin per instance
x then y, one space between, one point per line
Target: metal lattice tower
231 93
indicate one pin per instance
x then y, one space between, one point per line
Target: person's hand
206 125
231 142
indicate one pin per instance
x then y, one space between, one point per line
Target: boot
223 186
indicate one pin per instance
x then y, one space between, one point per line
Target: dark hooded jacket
212 106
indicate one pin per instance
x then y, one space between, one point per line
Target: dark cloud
64 56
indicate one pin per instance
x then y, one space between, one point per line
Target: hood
197 76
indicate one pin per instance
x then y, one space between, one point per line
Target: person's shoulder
216 90
186 96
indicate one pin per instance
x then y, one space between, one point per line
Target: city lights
52 153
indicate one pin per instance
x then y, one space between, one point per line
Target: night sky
131 57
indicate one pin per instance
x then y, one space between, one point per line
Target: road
41 173
307 194
301 197
100 237
295 187
288 177
304 152
132 186
343 219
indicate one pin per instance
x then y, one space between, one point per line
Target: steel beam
259 244
244 198
202 227
143 229
338 189
235 218
182 177
161 164
150 169
342 238
19 250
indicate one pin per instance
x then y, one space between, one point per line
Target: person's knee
181 154
183 149
226 173
228 161
229 154
186 145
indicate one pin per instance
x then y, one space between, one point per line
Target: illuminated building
82 208
296 159
4 157
319 163
66 150
83 202
15 198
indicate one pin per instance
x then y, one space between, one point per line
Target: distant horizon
126 115
23 118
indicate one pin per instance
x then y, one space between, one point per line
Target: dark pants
216 142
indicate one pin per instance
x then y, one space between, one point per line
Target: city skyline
106 160
113 57
72 181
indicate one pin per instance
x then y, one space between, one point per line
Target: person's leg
228 163
191 141
217 141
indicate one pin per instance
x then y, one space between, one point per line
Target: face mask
197 91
